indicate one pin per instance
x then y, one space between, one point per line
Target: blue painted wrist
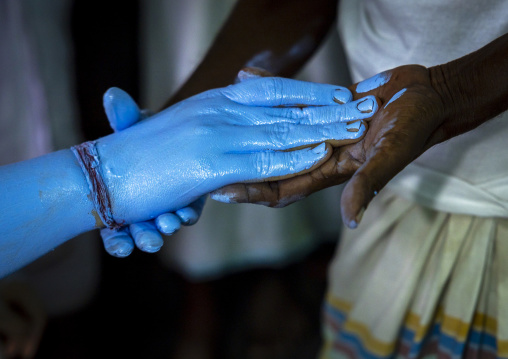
88 159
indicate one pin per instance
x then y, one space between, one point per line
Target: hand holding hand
411 120
220 137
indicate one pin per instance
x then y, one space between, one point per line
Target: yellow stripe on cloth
453 327
484 323
360 330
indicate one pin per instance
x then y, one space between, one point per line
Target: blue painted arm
43 202
168 161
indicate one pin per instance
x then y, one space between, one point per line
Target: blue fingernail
354 126
373 82
168 223
366 106
120 249
122 252
341 96
187 215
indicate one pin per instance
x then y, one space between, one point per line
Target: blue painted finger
168 223
117 243
190 215
373 82
121 110
264 165
361 109
146 237
285 136
277 91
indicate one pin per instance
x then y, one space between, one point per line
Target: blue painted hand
123 112
224 136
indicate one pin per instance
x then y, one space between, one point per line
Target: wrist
89 161
131 164
455 89
473 88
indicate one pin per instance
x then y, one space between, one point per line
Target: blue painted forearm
43 203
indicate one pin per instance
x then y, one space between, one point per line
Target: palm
397 134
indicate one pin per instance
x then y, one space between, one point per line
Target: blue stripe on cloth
450 345
335 313
479 340
483 339
353 342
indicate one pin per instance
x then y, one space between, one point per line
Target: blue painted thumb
121 109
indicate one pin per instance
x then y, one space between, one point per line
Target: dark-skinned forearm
285 32
474 88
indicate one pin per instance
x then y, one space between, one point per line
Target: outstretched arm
169 160
43 201
422 107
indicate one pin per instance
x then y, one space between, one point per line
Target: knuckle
294 113
330 132
274 87
345 113
279 134
301 115
269 164
263 164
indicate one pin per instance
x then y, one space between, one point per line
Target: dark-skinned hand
402 129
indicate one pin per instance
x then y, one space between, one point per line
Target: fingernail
320 149
353 224
149 242
244 75
187 215
120 249
341 96
168 223
354 126
366 106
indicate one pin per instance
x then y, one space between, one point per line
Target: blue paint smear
396 96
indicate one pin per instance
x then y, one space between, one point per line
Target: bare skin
244 36
439 103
